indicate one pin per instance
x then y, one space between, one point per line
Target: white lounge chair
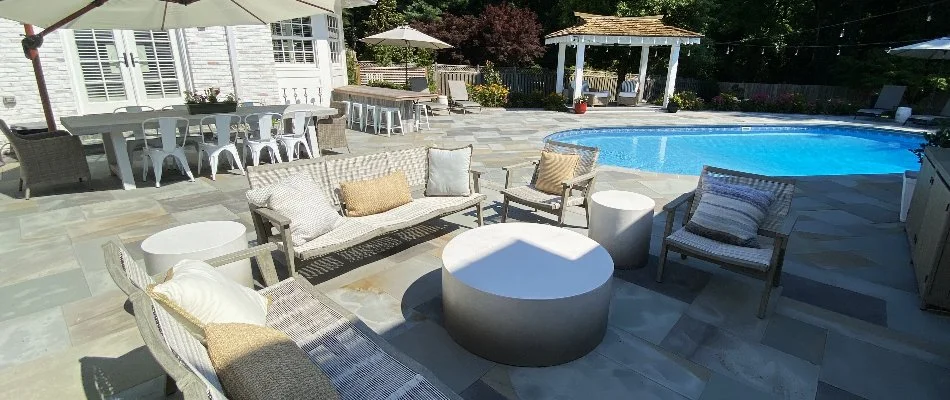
888 100
459 95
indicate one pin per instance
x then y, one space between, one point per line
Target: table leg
110 152
122 166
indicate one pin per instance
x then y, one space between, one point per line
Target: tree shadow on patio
135 374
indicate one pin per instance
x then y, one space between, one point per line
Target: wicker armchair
47 158
347 350
583 182
331 132
762 263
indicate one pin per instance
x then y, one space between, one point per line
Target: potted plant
940 138
208 102
580 105
673 106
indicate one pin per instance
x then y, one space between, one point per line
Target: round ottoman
199 241
622 223
526 294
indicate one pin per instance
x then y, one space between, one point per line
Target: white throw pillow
448 172
197 295
302 200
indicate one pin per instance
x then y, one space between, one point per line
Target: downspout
232 55
186 60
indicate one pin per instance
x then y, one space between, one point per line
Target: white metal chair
260 136
301 123
133 109
176 107
250 104
167 130
384 120
355 117
133 144
226 127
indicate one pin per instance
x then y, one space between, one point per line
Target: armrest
520 165
679 201
784 231
273 217
261 253
476 175
579 179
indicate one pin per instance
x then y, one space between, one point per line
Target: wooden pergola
600 30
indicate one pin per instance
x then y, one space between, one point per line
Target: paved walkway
844 325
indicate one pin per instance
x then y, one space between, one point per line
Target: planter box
907 193
212 108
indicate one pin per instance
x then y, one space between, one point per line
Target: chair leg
199 160
26 192
21 185
766 293
157 167
478 214
504 210
213 160
662 264
183 163
587 214
560 217
234 160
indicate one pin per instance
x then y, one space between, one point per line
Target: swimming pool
766 150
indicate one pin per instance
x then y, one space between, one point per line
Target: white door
119 68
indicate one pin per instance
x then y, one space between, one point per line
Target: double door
117 68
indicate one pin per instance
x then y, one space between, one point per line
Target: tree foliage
504 34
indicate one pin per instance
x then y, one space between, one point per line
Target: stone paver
846 314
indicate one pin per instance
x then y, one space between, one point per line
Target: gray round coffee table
526 294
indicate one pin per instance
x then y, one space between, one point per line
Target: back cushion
413 162
270 174
354 168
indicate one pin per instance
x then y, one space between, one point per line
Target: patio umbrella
142 14
406 36
937 49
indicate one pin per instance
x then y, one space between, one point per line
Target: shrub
790 103
490 95
940 138
688 100
708 90
725 102
555 102
388 85
526 100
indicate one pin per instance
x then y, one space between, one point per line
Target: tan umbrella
142 14
405 36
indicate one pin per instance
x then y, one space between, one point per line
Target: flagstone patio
845 324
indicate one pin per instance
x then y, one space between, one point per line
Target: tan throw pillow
256 362
374 196
554 169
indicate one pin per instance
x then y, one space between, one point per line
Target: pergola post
642 77
579 72
561 52
671 74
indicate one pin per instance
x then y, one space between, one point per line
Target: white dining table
113 126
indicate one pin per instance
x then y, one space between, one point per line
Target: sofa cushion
448 172
257 362
554 169
311 213
374 196
197 295
417 209
730 213
347 230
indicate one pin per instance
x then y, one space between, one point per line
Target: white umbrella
937 49
142 14
406 36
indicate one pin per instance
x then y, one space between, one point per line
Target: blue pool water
766 150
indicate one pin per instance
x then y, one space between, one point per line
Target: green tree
383 18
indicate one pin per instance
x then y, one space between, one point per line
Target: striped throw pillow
730 213
553 170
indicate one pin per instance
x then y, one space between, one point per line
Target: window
293 41
333 37
99 63
157 62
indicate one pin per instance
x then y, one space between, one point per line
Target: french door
117 68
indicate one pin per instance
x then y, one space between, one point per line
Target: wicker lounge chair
887 101
329 172
932 119
331 131
628 93
762 263
335 340
583 182
459 95
47 158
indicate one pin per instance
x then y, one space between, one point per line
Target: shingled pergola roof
609 30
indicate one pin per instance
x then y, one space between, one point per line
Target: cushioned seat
749 257
531 194
418 208
349 229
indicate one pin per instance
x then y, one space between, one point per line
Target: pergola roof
633 31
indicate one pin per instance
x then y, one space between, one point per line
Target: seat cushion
748 257
730 213
627 94
349 229
554 169
448 172
257 362
530 194
374 196
417 210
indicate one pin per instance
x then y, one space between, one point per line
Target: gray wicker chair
761 263
342 346
331 132
47 158
583 182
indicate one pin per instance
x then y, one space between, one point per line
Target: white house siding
208 61
255 60
17 80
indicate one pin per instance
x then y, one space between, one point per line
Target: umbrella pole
34 56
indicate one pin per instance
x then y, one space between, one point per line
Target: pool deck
845 324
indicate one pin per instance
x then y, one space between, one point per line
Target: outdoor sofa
358 362
329 172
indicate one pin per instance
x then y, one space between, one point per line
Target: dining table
113 128
404 100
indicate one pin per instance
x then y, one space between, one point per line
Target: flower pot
907 193
672 108
211 108
580 108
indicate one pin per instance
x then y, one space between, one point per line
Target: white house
98 70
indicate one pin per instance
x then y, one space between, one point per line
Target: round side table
622 223
199 241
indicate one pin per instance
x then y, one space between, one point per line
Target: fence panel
397 75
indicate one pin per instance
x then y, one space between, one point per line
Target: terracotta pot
580 108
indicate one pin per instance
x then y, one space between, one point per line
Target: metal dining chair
260 136
133 109
222 140
301 123
167 130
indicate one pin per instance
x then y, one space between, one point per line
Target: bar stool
355 117
348 108
421 112
370 117
385 117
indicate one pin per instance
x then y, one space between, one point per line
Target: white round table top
622 200
193 238
527 261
